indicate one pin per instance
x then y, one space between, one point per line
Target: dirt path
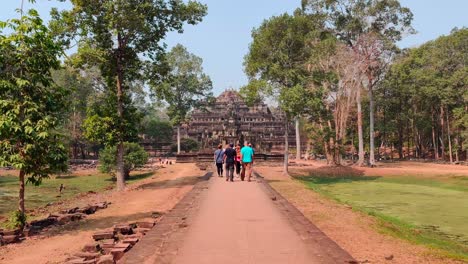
238 223
353 231
158 193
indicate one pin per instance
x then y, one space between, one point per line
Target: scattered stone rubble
110 245
37 226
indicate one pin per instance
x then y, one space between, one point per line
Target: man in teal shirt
247 157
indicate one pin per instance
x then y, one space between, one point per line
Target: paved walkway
238 223
235 222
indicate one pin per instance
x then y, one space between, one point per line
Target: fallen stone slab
11 232
145 224
131 241
123 229
106 259
118 253
91 248
10 239
64 219
88 210
70 211
81 261
77 216
138 236
104 235
44 222
31 231
141 231
87 255
125 246
102 205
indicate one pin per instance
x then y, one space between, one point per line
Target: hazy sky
223 37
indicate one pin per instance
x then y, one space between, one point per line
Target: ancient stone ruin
231 120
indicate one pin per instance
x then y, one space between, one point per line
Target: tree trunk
178 139
441 138
434 141
120 112
286 147
298 140
360 133
371 126
21 192
127 174
408 139
449 137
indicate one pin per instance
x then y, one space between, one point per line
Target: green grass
425 211
48 191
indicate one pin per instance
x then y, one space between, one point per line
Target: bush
134 157
186 144
17 219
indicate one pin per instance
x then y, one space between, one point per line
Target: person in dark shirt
230 159
218 159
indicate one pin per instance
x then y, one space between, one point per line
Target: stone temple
230 120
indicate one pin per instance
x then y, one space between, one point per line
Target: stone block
11 232
64 219
70 211
104 235
10 239
138 236
131 241
77 216
31 231
81 261
44 222
123 229
102 205
88 210
145 224
118 253
123 245
106 259
141 231
87 255
91 248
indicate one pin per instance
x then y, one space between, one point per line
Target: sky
223 38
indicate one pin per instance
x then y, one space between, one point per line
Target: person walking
229 159
247 157
238 160
218 158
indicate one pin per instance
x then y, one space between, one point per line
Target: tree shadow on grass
331 175
179 182
66 177
141 176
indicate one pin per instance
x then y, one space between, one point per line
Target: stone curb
319 243
160 245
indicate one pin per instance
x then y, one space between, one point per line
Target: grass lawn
37 196
426 211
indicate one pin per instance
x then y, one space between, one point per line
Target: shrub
187 145
134 157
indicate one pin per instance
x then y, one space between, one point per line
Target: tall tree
185 87
82 86
123 39
30 102
278 56
353 22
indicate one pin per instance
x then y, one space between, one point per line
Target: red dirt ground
158 193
